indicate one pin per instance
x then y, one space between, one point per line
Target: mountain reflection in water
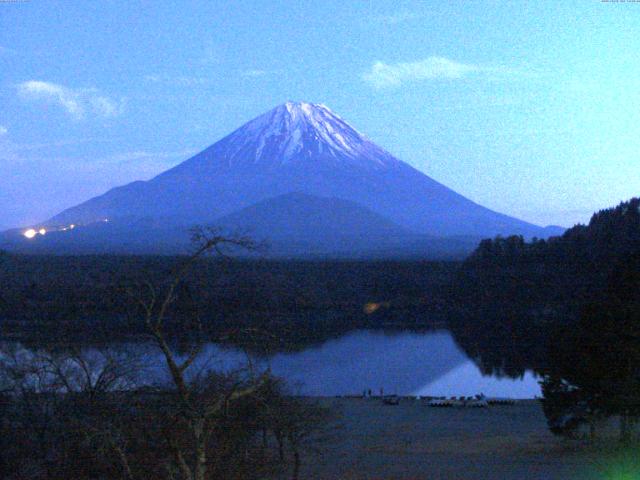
404 363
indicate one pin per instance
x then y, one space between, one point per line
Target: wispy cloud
383 75
78 103
3 130
50 92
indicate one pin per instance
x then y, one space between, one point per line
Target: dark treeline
564 271
568 308
89 297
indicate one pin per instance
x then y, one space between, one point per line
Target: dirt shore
415 441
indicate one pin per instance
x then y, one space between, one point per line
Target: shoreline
413 441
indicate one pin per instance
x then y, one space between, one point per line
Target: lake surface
404 363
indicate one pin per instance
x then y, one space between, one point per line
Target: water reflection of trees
506 344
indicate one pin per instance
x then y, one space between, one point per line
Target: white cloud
392 75
3 130
66 98
78 103
105 107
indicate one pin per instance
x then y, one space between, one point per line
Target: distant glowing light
72 226
373 307
30 233
42 231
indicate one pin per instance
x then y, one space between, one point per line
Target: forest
89 298
567 308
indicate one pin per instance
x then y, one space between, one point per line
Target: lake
404 363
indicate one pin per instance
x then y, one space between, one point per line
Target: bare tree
300 424
196 407
58 399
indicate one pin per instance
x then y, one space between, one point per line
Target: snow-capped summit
295 132
304 149
298 126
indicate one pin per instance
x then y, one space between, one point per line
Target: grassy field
415 441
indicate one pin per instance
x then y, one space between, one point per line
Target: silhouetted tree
198 404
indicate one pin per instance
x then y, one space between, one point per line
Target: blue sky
529 108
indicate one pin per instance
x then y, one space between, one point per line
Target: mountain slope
297 224
291 225
297 147
300 224
301 216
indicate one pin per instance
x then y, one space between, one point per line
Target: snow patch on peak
298 131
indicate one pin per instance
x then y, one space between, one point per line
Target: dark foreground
415 441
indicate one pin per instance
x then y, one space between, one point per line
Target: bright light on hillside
42 231
30 233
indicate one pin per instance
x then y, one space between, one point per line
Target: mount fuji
297 175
